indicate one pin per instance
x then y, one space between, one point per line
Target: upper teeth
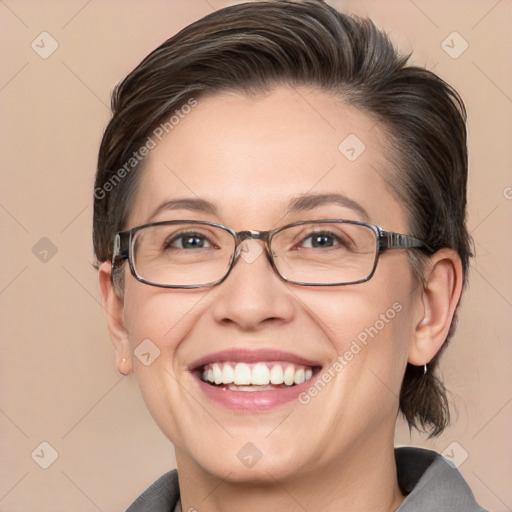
261 374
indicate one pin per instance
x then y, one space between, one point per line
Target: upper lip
251 356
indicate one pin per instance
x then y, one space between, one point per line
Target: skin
250 157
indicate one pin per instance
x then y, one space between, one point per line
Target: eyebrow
301 203
309 201
192 204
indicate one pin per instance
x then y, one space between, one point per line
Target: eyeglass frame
385 240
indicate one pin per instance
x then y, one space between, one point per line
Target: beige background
58 381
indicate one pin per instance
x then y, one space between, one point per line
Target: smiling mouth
260 376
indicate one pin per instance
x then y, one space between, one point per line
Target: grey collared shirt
429 481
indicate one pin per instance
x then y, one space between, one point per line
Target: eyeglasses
194 254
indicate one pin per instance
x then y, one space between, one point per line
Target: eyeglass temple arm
121 245
390 240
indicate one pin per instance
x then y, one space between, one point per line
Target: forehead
251 156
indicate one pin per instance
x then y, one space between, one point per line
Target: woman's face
251 158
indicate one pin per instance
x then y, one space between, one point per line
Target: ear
114 312
438 302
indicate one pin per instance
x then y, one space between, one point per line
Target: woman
280 229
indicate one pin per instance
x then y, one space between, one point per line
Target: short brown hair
255 46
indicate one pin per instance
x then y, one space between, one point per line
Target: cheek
367 330
157 322
161 315
368 324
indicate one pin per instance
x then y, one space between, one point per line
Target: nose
253 295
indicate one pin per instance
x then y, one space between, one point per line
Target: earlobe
439 300
124 361
114 313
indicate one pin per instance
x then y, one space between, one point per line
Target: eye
187 240
322 239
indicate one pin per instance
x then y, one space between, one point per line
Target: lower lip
253 400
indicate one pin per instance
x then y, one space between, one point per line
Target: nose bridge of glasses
252 234
243 249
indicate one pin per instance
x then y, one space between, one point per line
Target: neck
364 479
